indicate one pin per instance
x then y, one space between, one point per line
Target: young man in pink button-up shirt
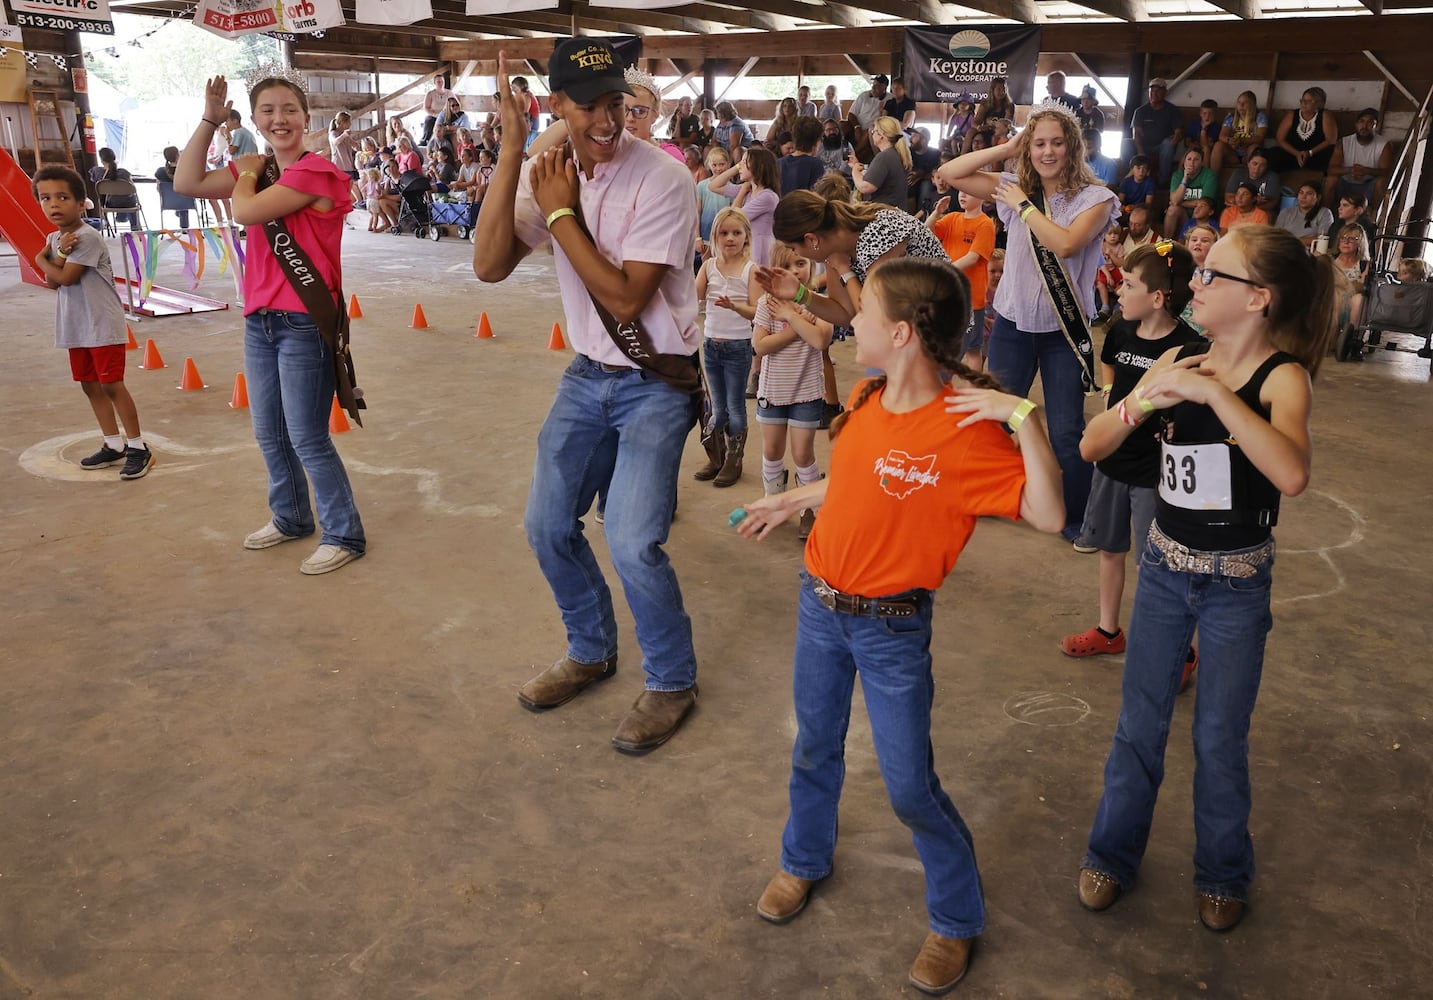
611 422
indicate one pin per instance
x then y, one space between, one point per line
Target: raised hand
778 281
512 106
216 103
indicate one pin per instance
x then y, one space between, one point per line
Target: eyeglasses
1206 276
638 111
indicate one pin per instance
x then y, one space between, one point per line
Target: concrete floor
222 779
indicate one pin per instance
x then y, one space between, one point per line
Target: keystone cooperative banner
942 63
64 15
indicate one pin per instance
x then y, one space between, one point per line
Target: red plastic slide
22 224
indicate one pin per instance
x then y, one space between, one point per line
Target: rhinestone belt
1182 559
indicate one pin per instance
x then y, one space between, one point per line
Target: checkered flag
32 59
60 62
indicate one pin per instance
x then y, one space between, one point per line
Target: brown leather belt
1182 559
854 604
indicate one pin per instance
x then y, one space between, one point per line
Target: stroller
1391 307
413 203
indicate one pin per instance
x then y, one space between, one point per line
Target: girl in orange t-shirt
906 485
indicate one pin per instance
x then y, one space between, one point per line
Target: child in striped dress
790 395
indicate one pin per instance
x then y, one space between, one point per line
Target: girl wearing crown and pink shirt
287 364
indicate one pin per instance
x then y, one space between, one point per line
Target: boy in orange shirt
907 483
969 240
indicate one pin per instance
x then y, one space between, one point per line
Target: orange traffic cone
133 344
354 312
240 399
420 322
485 329
152 359
191 382
337 421
555 342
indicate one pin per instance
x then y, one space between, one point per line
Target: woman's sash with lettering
317 299
1055 279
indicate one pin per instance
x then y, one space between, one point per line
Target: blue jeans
1014 356
892 656
1234 620
289 371
728 365
629 429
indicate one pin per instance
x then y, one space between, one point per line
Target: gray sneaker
103 458
137 463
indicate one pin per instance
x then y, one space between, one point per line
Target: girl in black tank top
1234 438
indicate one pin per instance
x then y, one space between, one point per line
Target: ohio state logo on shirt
902 474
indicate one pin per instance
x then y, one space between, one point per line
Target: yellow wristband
560 213
1025 213
1023 410
61 254
802 293
1144 405
1107 387
248 173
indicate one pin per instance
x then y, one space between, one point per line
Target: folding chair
171 202
126 194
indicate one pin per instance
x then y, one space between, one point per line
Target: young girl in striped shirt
790 397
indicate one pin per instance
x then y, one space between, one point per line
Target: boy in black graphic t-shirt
1122 492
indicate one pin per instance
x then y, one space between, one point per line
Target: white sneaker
267 537
326 559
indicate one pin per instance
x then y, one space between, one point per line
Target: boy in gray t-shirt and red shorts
89 320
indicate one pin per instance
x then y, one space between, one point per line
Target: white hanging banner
484 8
64 15
235 18
640 4
392 11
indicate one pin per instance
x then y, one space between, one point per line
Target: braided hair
933 296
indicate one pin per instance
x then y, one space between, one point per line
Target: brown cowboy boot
731 468
561 682
653 718
715 446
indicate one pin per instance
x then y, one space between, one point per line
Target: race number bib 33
1195 476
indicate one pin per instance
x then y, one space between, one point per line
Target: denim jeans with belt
728 365
892 655
629 428
1014 357
1233 618
289 371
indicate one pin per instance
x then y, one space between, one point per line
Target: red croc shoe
1093 643
1191 664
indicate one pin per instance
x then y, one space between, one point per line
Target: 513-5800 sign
255 20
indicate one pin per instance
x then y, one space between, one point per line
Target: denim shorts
807 414
974 339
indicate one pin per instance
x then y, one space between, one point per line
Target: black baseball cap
586 68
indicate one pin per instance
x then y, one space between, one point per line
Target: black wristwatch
1023 205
